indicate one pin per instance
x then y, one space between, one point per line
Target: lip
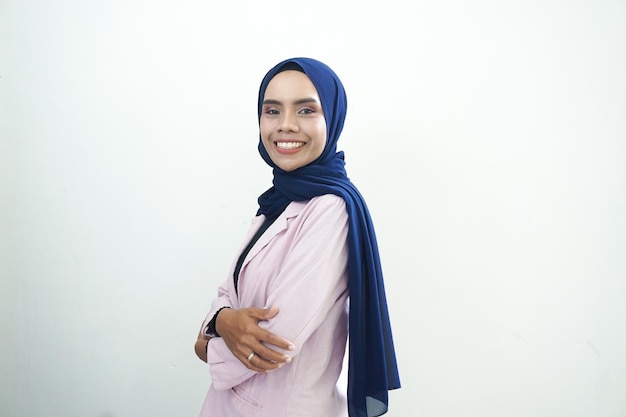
288 151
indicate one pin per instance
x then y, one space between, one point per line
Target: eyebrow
299 101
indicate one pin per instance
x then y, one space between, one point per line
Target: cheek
321 133
264 130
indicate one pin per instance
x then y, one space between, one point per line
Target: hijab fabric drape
372 367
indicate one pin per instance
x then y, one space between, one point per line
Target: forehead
291 83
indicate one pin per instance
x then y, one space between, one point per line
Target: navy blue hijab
372 369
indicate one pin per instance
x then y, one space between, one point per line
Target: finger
265 343
255 345
271 355
275 340
269 359
259 364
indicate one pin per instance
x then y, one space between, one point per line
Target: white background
488 137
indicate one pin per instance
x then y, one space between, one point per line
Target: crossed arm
317 285
240 330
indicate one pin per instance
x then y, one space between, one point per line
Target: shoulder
327 201
321 219
327 208
326 205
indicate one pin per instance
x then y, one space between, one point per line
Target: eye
271 111
307 111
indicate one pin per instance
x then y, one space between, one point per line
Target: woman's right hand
242 334
201 345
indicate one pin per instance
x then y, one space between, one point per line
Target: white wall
488 137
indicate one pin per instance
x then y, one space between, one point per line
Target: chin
288 167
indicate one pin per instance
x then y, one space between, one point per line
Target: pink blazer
300 265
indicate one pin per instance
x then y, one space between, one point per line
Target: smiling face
292 124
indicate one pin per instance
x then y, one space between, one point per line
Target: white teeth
289 145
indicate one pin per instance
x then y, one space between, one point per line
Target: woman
275 336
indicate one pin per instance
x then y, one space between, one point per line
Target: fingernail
288 359
291 347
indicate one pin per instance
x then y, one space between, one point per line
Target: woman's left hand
248 341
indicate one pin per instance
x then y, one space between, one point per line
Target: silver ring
250 357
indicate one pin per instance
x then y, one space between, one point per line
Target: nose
288 122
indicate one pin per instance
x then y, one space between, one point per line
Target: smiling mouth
289 145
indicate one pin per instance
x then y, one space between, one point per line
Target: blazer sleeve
222 300
311 280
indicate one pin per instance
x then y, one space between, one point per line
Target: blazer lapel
280 224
